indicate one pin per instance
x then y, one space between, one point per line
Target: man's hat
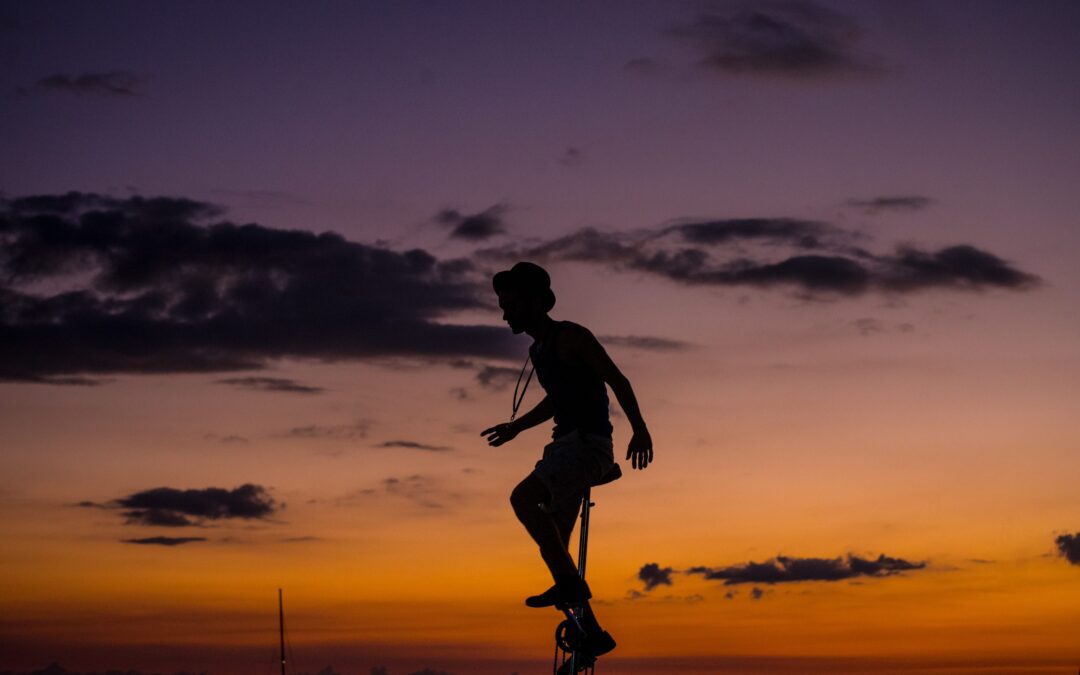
528 278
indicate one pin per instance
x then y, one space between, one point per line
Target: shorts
572 463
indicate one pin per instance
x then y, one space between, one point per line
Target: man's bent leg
526 499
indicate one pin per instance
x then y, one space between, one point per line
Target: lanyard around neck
518 399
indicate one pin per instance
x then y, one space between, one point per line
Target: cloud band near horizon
95 285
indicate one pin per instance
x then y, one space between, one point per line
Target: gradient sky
831 244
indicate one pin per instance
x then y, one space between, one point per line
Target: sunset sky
248 338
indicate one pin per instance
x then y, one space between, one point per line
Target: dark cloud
756 593
797 40
475 227
271 384
807 256
340 431
896 203
379 670
784 569
300 540
122 83
414 445
1069 547
653 575
93 285
643 342
171 507
956 267
431 671
163 541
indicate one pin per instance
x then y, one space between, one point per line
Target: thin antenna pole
281 628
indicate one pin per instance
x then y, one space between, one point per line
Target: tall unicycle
569 634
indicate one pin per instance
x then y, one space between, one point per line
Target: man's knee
527 496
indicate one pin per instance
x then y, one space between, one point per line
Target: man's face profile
515 307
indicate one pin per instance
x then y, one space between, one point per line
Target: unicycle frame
573 614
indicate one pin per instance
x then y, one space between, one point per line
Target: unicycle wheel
568 636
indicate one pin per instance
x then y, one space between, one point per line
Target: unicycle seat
613 474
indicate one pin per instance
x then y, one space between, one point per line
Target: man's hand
500 433
639 452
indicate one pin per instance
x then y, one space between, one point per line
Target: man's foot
595 645
598 644
566 592
545 599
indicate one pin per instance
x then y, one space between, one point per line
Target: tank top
577 394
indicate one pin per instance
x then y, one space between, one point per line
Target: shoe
545 599
598 645
586 656
566 592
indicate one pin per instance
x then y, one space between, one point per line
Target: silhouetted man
573 369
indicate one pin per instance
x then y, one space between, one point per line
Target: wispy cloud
418 489
163 541
262 197
354 430
868 326
414 445
277 384
497 378
476 226
793 40
226 438
644 342
571 157
114 83
894 203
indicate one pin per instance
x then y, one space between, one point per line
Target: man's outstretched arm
501 433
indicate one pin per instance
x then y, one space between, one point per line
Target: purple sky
832 245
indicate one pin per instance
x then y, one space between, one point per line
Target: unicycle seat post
583 545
